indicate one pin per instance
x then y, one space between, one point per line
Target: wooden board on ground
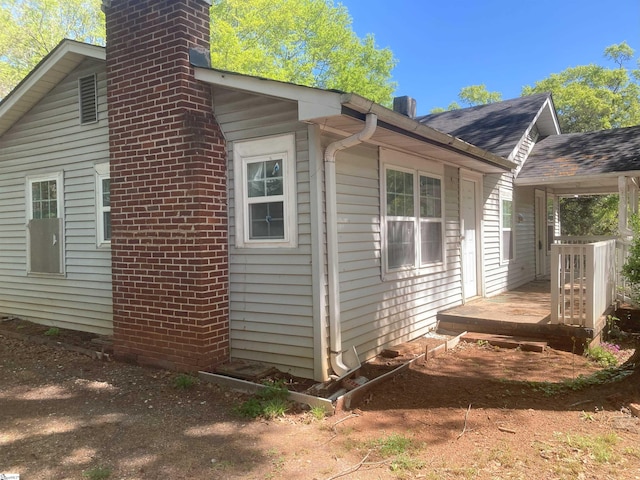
505 341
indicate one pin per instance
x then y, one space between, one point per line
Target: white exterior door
469 190
541 234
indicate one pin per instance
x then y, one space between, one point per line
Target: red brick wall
168 189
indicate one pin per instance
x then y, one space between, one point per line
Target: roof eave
364 105
563 179
48 73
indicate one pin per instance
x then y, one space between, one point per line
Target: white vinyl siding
271 301
49 138
500 276
376 313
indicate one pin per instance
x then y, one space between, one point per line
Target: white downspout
335 333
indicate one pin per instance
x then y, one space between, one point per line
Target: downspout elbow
335 334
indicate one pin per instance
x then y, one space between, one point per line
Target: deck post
555 282
590 287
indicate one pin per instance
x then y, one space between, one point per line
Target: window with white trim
264 184
103 205
413 202
507 243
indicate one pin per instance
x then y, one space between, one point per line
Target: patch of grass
581 382
223 465
632 452
270 402
501 454
97 473
586 416
400 450
599 447
52 332
405 462
274 408
317 412
184 381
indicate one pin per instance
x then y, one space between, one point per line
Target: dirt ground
474 412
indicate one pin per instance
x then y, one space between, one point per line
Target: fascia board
560 180
430 134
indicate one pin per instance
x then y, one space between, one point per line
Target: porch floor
523 312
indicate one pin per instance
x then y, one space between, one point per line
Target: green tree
589 215
472 96
308 42
32 28
595 97
478 95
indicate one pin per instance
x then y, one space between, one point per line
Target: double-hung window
103 205
413 202
506 226
264 184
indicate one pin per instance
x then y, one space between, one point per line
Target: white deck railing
583 280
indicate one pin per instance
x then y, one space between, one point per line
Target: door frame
477 179
540 232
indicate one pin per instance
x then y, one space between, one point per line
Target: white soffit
313 103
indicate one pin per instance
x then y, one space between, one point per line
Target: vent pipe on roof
405 105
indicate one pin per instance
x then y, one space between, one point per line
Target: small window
87 93
506 226
103 205
264 171
413 211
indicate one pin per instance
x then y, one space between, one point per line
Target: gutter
335 333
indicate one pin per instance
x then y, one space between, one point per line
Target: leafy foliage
631 267
607 375
589 215
32 28
308 42
595 97
471 96
601 355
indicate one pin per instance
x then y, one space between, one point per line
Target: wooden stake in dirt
505 429
464 428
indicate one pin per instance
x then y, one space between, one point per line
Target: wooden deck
523 312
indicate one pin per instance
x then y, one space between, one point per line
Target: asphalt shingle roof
496 127
578 154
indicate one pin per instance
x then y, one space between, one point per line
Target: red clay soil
474 412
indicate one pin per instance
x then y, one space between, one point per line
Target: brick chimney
168 189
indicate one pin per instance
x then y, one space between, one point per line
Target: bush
631 267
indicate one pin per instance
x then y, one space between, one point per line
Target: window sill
413 273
